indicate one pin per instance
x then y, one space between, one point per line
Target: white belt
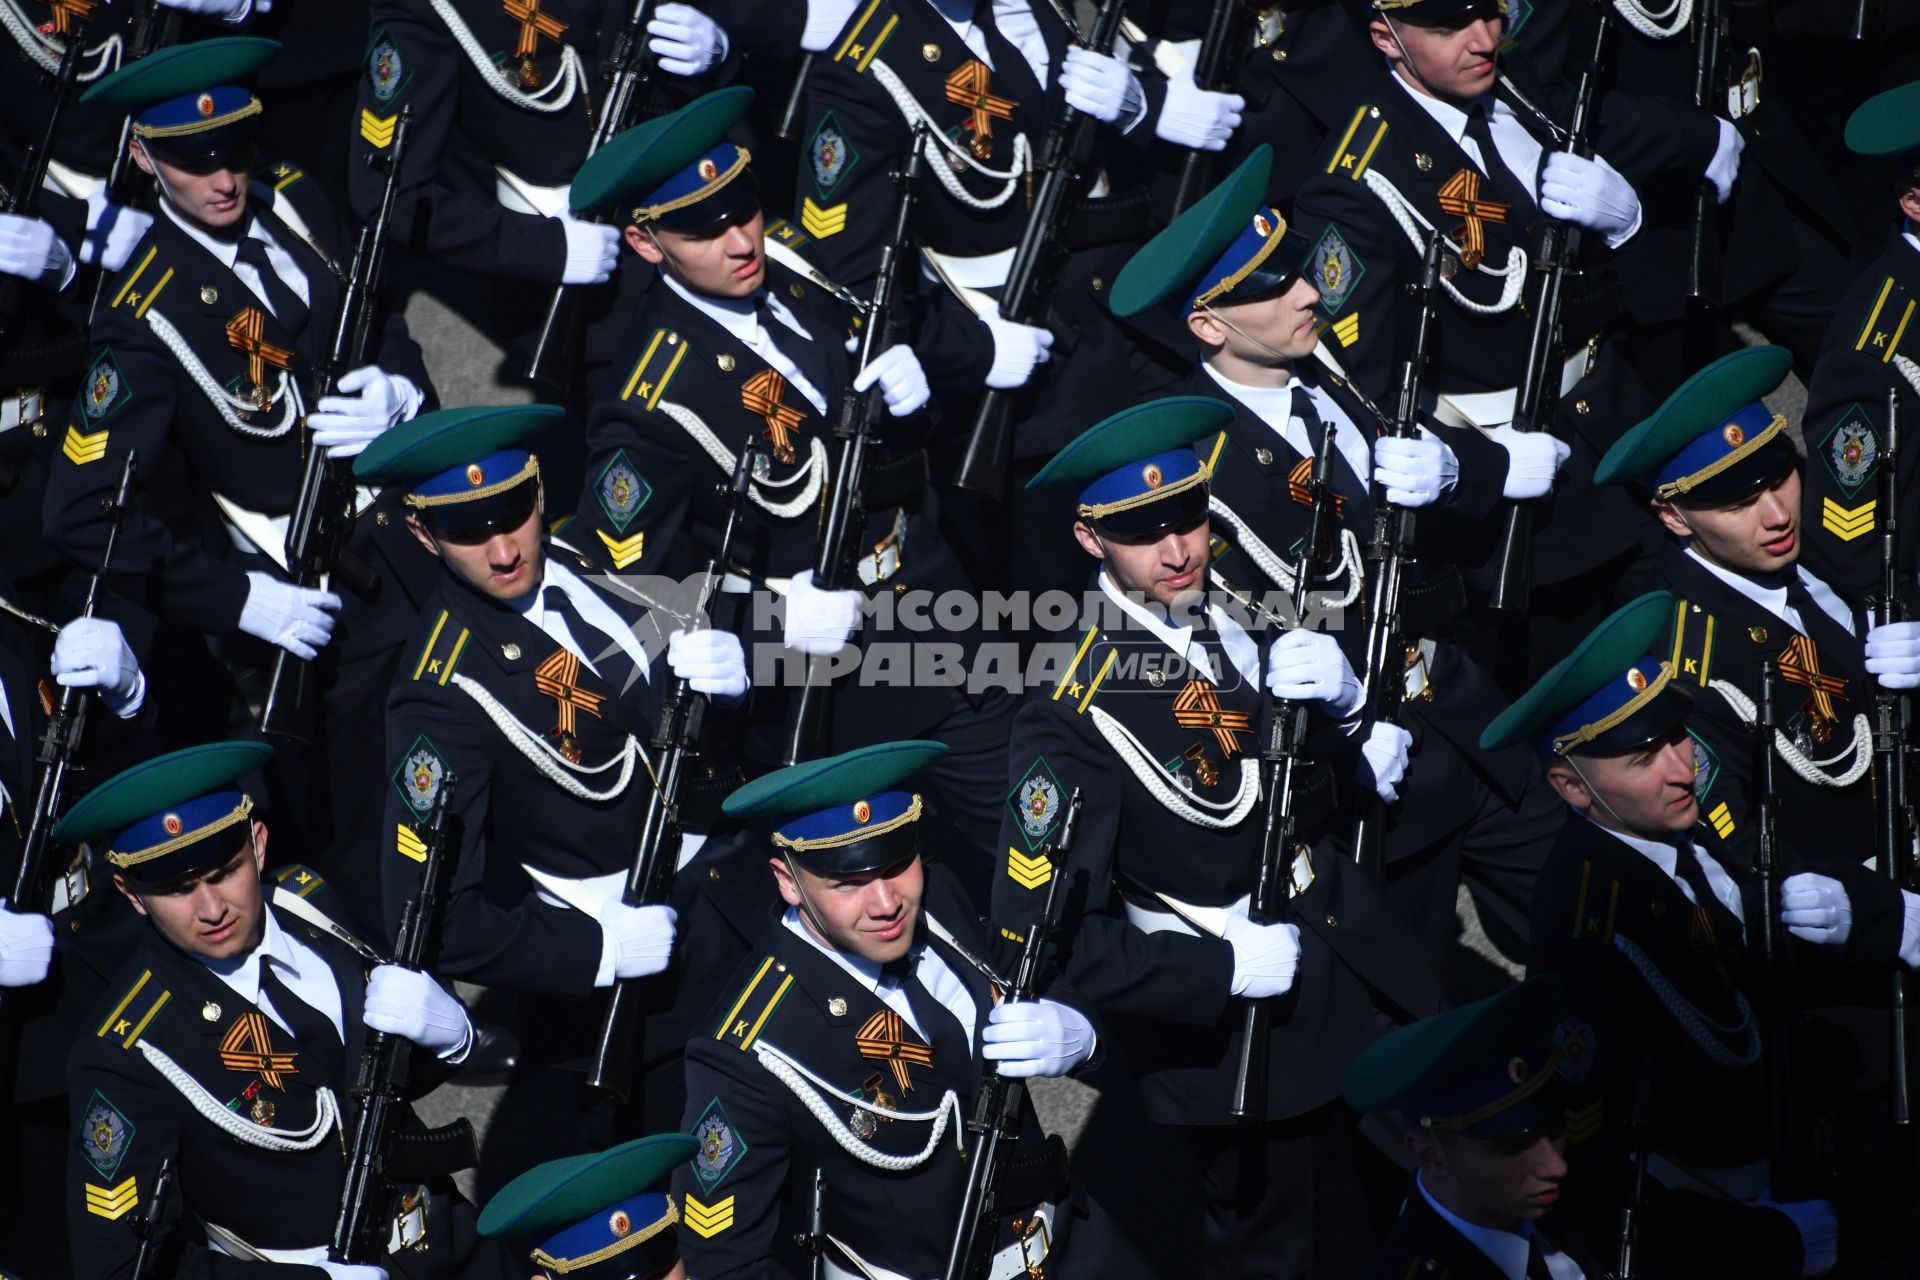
516 193
968 277
1197 921
1016 1260
588 893
1416 673
1486 410
888 556
226 1242
1746 1182
66 181
22 409
739 584
262 534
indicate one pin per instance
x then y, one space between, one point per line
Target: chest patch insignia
105 1134
622 491
830 156
1851 451
387 68
419 775
1336 270
1036 804
105 390
721 1149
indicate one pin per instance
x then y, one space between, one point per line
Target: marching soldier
735 347
532 676
600 1216
1651 915
225 1044
204 358
1158 719
852 1044
1232 269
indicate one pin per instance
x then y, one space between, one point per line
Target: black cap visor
1176 511
1758 470
481 518
1654 722
738 201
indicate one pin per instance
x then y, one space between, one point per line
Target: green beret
182 69
1174 261
1887 124
157 818
659 163
1713 438
845 814
582 1215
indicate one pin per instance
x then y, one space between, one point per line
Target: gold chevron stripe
1028 873
707 1220
112 1202
1347 329
821 221
377 129
1722 820
411 845
623 550
1847 523
82 448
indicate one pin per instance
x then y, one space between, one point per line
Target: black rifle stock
1065 160
360 1228
814 1239
806 732
24 200
675 738
1702 313
1539 391
322 516
996 1112
1627 1261
627 76
1281 764
1892 719
1787 1179
1211 70
1389 553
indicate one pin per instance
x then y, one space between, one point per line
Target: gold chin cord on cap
185 838
1566 742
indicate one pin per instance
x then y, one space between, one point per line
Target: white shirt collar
1272 405
1665 854
735 315
864 971
1507 1250
1451 119
1240 648
243 974
1771 593
227 251
1908 235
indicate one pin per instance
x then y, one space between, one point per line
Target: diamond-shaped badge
622 491
1852 450
1337 269
1038 804
721 1148
419 775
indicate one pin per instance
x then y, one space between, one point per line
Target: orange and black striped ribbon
533 25
1800 664
1299 482
244 335
1198 707
1461 198
248 1047
967 87
883 1038
555 677
67 14
761 394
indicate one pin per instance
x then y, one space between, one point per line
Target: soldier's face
1168 567
496 561
1758 534
218 914
1648 793
1263 331
1455 62
1492 1182
725 261
870 915
209 193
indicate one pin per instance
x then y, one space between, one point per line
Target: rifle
996 1112
1540 386
146 31
1785 1180
1703 239
1281 764
790 114
60 740
360 1232
1066 158
1630 1212
1892 719
323 509
675 738
627 77
24 200
1390 550
814 1238
805 732
147 1225
1210 71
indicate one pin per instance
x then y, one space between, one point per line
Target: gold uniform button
380 519
1582 407
780 968
510 651
1279 55
837 1007
1759 634
713 874
1422 161
1263 456
725 362
797 290
1156 678
210 1011
1333 921
1099 283
39 431
209 295
930 51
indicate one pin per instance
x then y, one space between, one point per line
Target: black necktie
1507 187
948 1039
1537 1260
608 656
287 307
805 355
1831 641
314 1034
1727 931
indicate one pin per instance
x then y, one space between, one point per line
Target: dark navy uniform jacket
1171 805
137 394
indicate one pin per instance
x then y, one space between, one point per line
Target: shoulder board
655 368
1886 323
1357 145
283 175
298 880
781 231
1085 674
134 1011
440 655
866 36
1594 906
748 1014
142 285
1691 644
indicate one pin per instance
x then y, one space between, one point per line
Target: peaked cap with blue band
677 172
190 100
599 1216
1496 1068
1229 245
1888 125
846 814
1136 470
1608 697
1435 13
464 466
160 819
1714 440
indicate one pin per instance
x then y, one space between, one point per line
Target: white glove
819 622
1383 759
411 1005
1307 666
370 401
1017 348
91 653
1725 165
351 1270
112 232
226 10
1037 1038
26 947
1415 472
711 662
1819 1231
1814 908
1265 957
1533 459
295 618
1590 194
825 18
1893 654
1198 118
638 941
685 40
30 249
1102 86
593 251
902 381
